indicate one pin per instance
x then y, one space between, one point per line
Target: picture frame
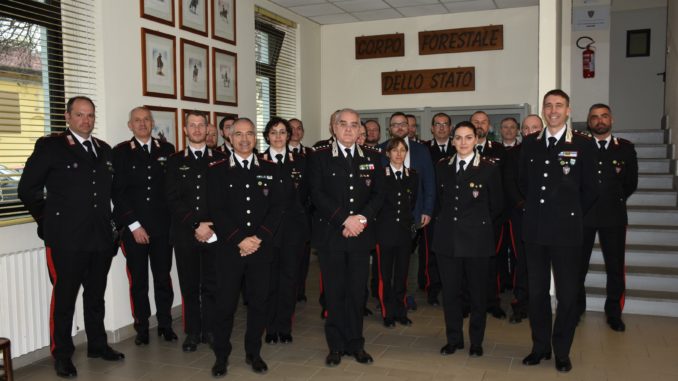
183 122
194 71
223 20
224 77
638 43
193 16
161 11
165 124
216 118
158 55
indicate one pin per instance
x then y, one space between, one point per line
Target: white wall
508 76
671 100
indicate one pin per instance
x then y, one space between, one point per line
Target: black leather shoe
285 338
404 321
168 334
475 351
301 299
190 343
257 363
367 312
517 317
271 338
449 349
496 312
389 323
65 368
142 338
362 357
219 368
108 354
333 358
563 365
535 358
433 301
617 324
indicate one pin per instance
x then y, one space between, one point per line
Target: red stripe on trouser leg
428 277
129 279
496 253
53 275
183 314
381 283
622 300
322 290
513 248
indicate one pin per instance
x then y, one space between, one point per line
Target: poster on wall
165 124
223 20
194 71
225 77
158 64
193 16
161 11
591 17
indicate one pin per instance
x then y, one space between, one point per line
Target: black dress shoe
65 368
190 343
535 358
433 301
517 317
142 338
219 368
404 321
475 351
333 358
285 338
257 363
301 298
108 354
496 312
168 334
617 324
389 323
362 357
367 312
271 338
449 349
563 365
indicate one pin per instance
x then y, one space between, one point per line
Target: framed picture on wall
158 52
161 11
183 122
193 16
223 20
194 71
224 77
165 125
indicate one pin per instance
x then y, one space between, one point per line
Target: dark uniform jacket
139 185
338 191
513 196
304 150
244 202
616 171
186 187
395 224
76 213
494 151
469 205
295 226
323 143
559 187
437 154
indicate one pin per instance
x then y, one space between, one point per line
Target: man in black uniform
225 128
346 182
330 140
186 187
140 209
74 220
617 175
557 179
245 202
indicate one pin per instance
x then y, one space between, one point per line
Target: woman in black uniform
395 226
470 199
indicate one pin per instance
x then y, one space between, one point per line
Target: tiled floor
647 351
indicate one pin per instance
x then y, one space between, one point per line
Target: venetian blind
47 55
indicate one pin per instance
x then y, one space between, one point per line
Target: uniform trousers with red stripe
282 296
520 294
393 263
197 281
68 270
159 253
612 241
428 275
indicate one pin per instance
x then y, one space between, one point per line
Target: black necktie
90 149
349 158
399 175
295 150
145 147
480 149
442 147
279 158
602 144
552 143
198 155
244 164
462 163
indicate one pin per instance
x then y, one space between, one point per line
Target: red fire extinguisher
588 58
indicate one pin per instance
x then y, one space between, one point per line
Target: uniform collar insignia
209 152
291 156
335 149
359 150
407 171
231 161
71 141
132 144
157 143
186 152
388 171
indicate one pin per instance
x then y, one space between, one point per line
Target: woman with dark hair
292 234
395 226
469 201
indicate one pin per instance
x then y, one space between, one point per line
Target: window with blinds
276 74
47 54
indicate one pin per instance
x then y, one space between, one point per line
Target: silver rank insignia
566 170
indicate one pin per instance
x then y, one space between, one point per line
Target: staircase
651 237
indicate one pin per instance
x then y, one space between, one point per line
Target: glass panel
261 47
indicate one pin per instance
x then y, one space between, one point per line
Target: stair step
655 181
637 302
643 136
639 270
654 166
652 151
649 215
655 197
637 281
648 256
652 235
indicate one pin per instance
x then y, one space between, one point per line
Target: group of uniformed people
243 222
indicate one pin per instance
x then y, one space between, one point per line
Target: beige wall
671 100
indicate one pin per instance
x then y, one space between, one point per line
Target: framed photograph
223 20
165 125
194 71
161 11
193 16
638 43
224 77
158 55
183 122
